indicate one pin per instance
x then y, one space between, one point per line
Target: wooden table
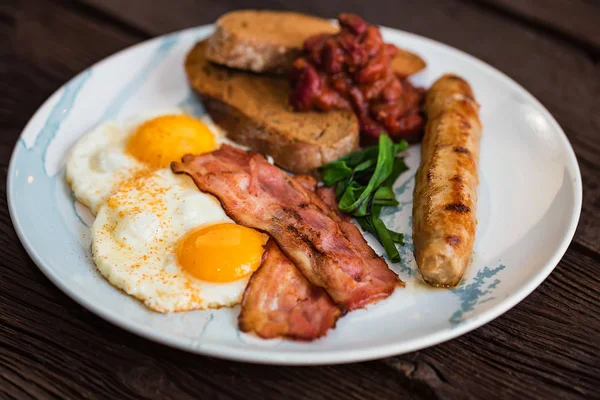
546 347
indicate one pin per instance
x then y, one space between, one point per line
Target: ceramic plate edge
337 356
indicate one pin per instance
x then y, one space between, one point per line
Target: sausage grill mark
453 240
459 149
444 233
465 124
458 207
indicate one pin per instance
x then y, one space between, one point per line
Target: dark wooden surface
546 347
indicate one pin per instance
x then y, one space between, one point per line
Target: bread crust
445 195
270 41
288 153
254 111
228 49
262 41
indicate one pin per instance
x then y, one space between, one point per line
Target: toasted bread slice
254 111
262 41
270 41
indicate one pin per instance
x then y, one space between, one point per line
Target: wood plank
65 350
51 347
576 18
31 71
163 18
564 77
69 45
541 343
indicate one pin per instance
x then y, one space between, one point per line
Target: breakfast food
259 195
162 241
262 41
280 302
363 183
155 236
114 152
353 70
270 41
187 220
253 111
445 192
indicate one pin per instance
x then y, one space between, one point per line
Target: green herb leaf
399 167
385 196
374 225
340 188
397 237
385 164
400 146
335 172
364 182
352 192
385 237
364 166
376 211
353 159
366 225
370 153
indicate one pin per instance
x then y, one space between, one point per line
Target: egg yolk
163 139
222 252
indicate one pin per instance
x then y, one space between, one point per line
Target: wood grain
576 18
50 347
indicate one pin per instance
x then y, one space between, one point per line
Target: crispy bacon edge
306 230
280 302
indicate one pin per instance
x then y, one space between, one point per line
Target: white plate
529 205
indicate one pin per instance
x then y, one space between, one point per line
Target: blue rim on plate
54 231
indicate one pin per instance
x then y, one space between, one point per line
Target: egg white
134 240
99 163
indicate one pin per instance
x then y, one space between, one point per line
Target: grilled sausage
445 193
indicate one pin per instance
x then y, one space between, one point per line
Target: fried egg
161 240
115 152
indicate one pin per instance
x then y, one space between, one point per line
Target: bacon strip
280 302
327 196
259 195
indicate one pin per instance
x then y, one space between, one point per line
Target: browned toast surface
262 41
270 41
254 111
